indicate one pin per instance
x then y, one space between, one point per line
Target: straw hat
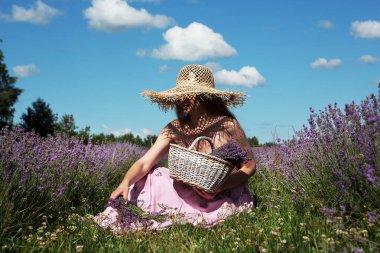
193 80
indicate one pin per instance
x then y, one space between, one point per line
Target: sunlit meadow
317 192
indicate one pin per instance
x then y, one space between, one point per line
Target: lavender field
317 192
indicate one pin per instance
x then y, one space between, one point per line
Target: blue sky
92 59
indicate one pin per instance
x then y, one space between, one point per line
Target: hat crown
195 75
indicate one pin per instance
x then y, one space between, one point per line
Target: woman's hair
214 106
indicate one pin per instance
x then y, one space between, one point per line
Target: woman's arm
232 130
142 166
246 170
240 177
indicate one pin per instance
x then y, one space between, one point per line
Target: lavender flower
232 152
130 215
334 160
328 212
372 216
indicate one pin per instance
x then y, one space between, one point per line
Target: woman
201 111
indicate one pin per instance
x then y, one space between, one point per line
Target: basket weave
201 170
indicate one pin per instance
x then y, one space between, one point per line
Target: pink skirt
180 204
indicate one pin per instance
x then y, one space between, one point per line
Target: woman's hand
123 190
207 195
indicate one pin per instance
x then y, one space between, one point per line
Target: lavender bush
333 162
47 176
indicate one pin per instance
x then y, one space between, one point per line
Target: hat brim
167 99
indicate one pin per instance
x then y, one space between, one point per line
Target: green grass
276 225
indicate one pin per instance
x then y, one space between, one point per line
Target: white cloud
366 30
214 66
368 59
38 14
140 52
25 70
116 133
145 1
116 15
323 63
325 24
146 131
164 68
247 76
193 43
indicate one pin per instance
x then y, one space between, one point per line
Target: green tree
253 141
8 94
66 125
84 134
38 118
149 140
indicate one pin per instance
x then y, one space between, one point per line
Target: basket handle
195 142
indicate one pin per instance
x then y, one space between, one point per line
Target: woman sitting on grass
201 111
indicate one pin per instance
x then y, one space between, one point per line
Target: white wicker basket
201 170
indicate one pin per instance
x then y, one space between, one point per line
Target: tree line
40 118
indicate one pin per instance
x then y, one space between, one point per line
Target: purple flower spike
232 152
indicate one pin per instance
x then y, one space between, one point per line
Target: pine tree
38 118
8 94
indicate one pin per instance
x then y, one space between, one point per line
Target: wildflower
79 248
89 216
275 233
262 249
330 241
53 236
305 238
369 172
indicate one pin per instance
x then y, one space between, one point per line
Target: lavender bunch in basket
232 152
